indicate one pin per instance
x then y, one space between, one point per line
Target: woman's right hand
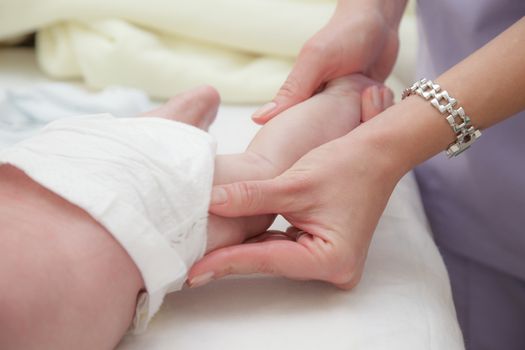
333 196
361 37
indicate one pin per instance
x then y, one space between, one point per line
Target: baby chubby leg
65 282
330 114
334 112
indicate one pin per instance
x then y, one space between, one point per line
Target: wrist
373 29
404 136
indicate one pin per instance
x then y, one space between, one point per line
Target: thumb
306 77
279 257
251 198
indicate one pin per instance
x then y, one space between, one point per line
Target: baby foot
197 107
374 100
328 115
375 97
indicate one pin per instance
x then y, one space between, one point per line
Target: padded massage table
403 301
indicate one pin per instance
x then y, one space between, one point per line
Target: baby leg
65 282
330 114
287 137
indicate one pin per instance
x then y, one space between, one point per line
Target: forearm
489 85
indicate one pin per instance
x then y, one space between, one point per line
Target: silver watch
466 134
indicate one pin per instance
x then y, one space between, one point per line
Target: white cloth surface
403 301
23 110
146 180
245 48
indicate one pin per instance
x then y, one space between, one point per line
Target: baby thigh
65 283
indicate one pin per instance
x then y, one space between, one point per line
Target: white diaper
146 180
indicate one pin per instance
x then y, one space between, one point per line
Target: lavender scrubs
476 202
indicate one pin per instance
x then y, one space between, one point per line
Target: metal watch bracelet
465 133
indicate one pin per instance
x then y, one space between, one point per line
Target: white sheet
403 301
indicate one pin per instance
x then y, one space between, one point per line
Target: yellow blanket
245 48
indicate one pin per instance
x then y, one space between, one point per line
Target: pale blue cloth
25 110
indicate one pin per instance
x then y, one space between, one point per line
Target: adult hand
361 37
336 192
333 197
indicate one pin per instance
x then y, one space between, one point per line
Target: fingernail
376 99
218 196
200 280
264 109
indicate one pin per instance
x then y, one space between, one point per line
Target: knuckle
297 183
345 271
292 88
340 266
250 195
342 277
298 190
336 264
325 51
349 284
315 48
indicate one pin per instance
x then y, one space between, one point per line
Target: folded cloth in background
24 111
117 52
244 48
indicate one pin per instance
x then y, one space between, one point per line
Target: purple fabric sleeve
475 202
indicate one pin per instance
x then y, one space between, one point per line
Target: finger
306 77
224 232
254 198
276 257
387 97
371 103
374 100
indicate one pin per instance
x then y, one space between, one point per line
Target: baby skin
328 115
339 108
65 291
